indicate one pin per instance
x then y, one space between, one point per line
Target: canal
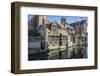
75 52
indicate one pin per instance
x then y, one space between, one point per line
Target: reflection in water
74 52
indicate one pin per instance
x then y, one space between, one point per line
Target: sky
30 17
69 19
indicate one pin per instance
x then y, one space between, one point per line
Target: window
42 45
40 28
49 39
71 39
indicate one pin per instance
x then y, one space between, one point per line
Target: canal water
75 52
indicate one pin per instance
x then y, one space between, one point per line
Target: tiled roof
48 30
62 26
64 33
70 27
47 21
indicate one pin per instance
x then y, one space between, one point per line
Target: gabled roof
63 33
62 26
47 21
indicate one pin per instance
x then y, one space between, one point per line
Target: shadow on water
75 52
